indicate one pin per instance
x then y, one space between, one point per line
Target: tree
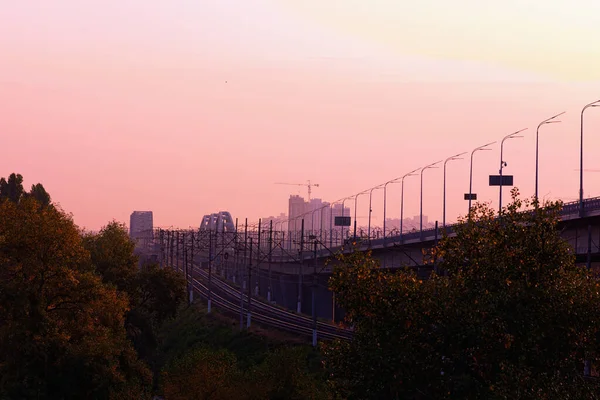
511 317
61 330
285 375
156 295
12 189
202 374
39 193
112 256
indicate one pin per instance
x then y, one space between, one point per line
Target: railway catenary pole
299 306
190 285
185 261
177 250
270 259
257 256
235 251
281 255
249 314
314 306
241 279
162 248
210 261
171 238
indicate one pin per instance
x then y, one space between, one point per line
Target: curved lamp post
312 219
484 147
503 163
343 208
355 204
370 210
331 220
385 199
432 165
550 120
454 157
402 201
592 104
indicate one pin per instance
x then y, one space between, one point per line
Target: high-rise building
141 224
296 207
316 211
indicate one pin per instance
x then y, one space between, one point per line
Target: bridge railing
284 246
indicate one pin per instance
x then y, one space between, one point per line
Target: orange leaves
59 312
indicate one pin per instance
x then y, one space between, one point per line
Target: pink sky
187 108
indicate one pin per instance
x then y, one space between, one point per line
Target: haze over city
188 108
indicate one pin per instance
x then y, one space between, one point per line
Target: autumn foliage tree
511 317
154 294
61 329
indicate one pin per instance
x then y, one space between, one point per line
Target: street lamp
455 157
312 219
370 210
402 199
503 164
343 208
385 204
550 120
421 212
484 147
355 203
331 219
592 104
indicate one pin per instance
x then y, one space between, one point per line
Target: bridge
284 273
282 276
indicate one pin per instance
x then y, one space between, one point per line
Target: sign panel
470 196
342 221
507 180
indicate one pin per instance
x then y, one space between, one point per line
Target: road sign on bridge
507 180
342 221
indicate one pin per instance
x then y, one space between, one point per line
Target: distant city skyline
188 108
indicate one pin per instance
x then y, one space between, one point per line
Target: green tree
40 194
202 374
285 374
112 256
61 330
156 295
513 317
12 189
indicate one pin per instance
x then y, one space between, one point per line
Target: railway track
227 297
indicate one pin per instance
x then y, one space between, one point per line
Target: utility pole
270 259
162 252
314 305
249 314
257 257
185 260
210 261
299 307
235 250
171 238
191 285
241 279
281 254
177 251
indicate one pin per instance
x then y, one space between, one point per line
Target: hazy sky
188 107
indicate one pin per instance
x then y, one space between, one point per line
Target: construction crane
308 185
